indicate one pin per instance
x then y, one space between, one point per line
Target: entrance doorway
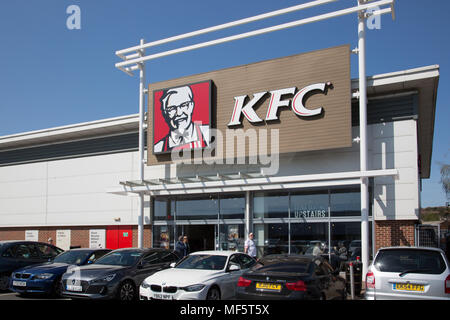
201 237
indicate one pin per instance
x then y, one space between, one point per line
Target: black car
18 254
45 278
297 277
116 275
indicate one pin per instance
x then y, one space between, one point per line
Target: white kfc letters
276 101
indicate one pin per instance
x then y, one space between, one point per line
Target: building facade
79 183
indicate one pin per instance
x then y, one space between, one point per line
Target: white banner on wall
32 235
97 238
63 239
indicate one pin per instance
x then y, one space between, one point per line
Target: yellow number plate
408 287
268 286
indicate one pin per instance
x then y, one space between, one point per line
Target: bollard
352 283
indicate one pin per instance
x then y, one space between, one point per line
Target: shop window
232 206
163 237
194 208
271 238
163 209
305 236
309 205
271 205
345 202
231 237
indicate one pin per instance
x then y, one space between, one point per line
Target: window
271 238
46 251
197 208
96 255
270 205
246 262
345 202
232 206
10 252
234 260
26 251
309 205
152 258
412 260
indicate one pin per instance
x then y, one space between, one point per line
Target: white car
408 273
202 275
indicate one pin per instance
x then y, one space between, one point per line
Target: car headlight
43 276
105 279
194 287
145 285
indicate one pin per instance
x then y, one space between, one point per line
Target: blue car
46 278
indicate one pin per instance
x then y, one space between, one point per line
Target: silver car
408 273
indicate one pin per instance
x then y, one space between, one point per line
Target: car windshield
120 258
72 257
410 261
203 262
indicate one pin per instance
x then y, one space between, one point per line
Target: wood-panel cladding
330 129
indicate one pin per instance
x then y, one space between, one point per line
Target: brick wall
394 233
79 235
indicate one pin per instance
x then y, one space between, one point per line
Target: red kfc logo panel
181 117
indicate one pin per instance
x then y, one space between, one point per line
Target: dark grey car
116 275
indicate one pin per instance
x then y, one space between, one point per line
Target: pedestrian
250 247
317 251
182 247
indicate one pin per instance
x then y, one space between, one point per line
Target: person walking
250 247
182 247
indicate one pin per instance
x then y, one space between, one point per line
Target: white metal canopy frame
134 59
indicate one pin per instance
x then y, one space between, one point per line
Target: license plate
19 283
70 287
162 296
408 287
268 286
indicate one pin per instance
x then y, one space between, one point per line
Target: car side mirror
172 265
234 267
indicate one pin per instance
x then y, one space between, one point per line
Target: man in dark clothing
182 247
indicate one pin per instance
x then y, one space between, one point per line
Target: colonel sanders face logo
185 112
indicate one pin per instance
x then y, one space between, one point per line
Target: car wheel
127 291
213 294
4 282
57 288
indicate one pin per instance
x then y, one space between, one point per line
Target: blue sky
52 76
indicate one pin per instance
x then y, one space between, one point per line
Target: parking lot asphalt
15 296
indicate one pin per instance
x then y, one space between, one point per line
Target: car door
230 278
153 262
26 254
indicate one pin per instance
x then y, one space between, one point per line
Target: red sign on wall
182 117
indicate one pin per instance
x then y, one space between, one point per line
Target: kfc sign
182 117
276 101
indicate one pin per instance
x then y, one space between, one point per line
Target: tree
445 179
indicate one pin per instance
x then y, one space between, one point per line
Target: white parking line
7 294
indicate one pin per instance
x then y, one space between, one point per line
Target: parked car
46 277
18 254
293 277
116 275
408 273
202 275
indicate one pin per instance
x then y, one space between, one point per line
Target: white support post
141 147
363 142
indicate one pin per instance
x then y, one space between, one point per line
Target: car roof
216 253
412 248
293 257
